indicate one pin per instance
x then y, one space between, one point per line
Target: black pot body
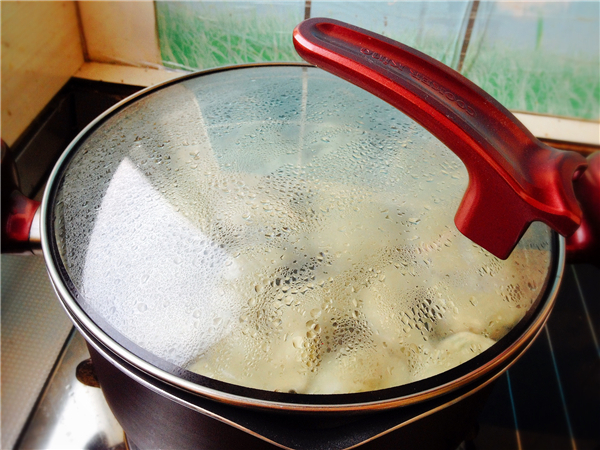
155 415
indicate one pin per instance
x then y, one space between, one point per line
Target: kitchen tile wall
540 57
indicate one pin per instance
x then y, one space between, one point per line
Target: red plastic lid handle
514 179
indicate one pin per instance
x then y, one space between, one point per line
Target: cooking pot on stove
265 255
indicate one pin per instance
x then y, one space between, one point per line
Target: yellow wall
44 44
41 50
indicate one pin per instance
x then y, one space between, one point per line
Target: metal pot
132 209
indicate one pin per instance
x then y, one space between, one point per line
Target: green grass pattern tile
201 35
534 57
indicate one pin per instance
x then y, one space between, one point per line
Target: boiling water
307 248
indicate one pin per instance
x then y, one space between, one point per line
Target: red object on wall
17 210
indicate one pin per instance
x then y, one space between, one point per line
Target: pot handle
19 213
514 179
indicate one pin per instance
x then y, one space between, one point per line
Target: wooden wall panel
41 50
121 32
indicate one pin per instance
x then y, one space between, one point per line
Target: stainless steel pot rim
342 402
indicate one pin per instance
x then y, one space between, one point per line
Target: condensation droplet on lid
298 341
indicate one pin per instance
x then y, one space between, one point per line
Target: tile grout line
587 314
514 411
560 390
467 36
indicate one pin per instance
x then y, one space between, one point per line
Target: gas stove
549 399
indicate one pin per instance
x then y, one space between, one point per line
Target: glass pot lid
278 228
